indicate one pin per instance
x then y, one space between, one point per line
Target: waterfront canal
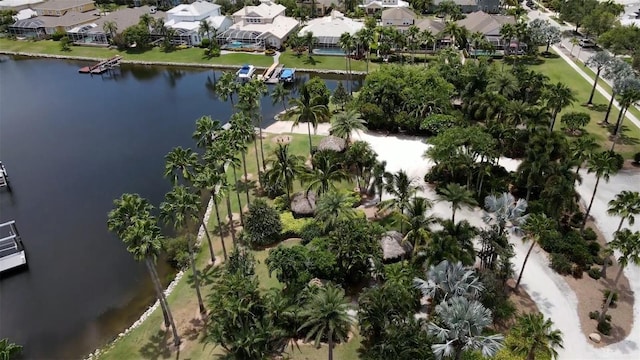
71 144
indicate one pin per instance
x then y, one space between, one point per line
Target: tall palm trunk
235 178
330 348
607 303
605 264
206 232
310 144
586 215
196 280
453 215
616 130
553 120
158 289
215 204
163 301
593 89
232 230
606 116
533 243
264 165
246 179
255 148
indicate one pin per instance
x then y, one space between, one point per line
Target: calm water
71 144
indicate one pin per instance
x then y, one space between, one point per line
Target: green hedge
292 227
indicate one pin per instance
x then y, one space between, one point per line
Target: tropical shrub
292 227
434 124
204 44
605 295
636 158
560 264
577 271
58 35
262 224
589 234
312 230
604 327
177 252
290 265
594 273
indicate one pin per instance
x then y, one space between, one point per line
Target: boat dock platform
102 66
12 254
4 177
274 77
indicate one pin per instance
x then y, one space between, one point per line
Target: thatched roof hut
303 204
392 247
332 143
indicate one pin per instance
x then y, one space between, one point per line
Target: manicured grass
323 62
559 71
191 55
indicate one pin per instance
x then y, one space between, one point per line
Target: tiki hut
393 249
332 143
303 204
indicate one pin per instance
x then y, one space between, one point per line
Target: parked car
586 43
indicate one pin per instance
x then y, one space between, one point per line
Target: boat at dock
12 254
4 177
288 75
102 66
246 72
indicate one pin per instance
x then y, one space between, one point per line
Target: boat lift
12 254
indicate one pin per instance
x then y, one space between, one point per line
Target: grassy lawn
323 62
148 341
559 71
191 55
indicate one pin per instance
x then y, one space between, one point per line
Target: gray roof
487 24
459 2
302 205
61 4
332 143
398 13
432 25
125 18
392 246
69 19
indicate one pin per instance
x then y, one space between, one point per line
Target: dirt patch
590 298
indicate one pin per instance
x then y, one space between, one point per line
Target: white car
586 43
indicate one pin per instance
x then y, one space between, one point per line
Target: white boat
288 75
246 72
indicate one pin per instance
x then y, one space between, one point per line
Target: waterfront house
322 7
185 20
95 33
372 6
327 31
258 27
469 6
55 16
18 5
489 25
435 27
399 17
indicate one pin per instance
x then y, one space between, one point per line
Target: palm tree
581 149
505 211
460 329
535 226
446 280
283 167
536 336
180 206
345 122
626 205
417 223
627 243
252 93
629 95
280 94
347 43
458 196
309 40
209 179
132 222
379 173
426 38
334 206
110 27
402 189
477 38
599 60
326 317
181 162
225 151
306 109
457 33
504 84
9 350
413 34
617 72
325 174
604 165
206 130
364 38
241 132
559 96
226 86
206 28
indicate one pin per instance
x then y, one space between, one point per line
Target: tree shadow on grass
597 107
310 60
158 346
623 137
524 60
210 275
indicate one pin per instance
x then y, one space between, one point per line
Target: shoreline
169 63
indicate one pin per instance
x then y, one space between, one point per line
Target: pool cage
88 34
28 28
235 39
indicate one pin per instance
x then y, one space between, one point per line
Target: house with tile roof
55 16
469 6
372 6
489 25
185 20
327 30
399 17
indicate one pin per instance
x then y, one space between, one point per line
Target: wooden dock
274 76
12 254
102 66
4 177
